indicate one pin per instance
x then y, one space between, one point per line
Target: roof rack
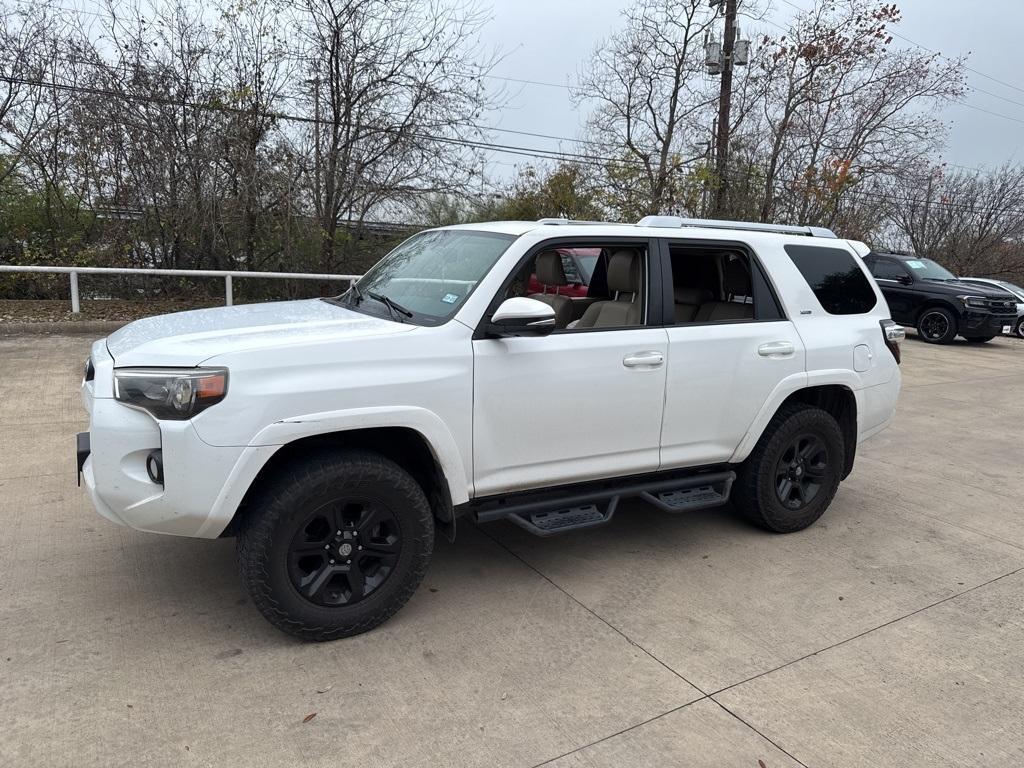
566 222
674 222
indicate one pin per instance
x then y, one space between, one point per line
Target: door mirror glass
522 316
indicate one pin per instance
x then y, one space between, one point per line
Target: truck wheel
793 473
978 339
334 545
1020 328
936 326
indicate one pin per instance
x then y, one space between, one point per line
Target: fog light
155 467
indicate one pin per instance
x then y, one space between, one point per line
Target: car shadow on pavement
193 587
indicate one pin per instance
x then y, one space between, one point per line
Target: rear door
725 361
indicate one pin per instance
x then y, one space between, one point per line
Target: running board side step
548 513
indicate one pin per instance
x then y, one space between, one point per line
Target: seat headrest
695 296
624 272
736 278
549 268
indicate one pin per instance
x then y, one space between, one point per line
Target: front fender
427 423
268 440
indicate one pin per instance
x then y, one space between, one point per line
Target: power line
110 17
510 149
103 66
506 149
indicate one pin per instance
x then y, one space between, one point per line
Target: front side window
613 294
428 277
838 282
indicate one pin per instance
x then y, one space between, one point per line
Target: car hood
963 288
189 338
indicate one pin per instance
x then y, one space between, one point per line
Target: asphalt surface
889 634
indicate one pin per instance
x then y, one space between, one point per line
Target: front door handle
777 349
644 360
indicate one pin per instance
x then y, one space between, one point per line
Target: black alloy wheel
790 478
1020 328
800 471
937 326
334 542
344 551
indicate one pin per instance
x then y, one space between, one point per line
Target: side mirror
520 316
905 280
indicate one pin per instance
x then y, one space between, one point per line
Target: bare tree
650 102
24 43
842 105
397 93
970 221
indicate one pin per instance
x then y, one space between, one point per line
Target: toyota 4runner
707 362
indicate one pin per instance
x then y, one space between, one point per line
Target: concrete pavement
891 633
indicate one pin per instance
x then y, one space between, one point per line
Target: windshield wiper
396 309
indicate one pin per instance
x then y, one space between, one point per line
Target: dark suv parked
925 295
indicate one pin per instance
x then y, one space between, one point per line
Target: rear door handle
777 349
644 360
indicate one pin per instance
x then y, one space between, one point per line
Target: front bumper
119 486
202 484
985 323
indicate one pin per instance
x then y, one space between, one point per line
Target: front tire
792 475
1020 328
936 325
334 545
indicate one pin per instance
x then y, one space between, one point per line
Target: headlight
974 301
171 393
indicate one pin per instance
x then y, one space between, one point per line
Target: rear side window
835 277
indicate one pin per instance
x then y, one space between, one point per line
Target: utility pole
725 106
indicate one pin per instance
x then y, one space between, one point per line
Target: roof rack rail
565 222
673 222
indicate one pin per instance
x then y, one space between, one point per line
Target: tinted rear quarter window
835 277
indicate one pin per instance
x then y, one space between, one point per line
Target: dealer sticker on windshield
450 298
915 264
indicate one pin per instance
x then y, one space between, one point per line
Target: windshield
430 275
926 269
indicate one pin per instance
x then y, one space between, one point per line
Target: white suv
708 361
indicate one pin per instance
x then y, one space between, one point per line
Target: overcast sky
548 40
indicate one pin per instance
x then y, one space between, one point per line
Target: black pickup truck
925 295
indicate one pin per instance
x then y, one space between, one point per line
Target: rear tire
792 475
936 325
978 339
334 545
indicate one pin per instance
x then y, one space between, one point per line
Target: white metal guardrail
228 275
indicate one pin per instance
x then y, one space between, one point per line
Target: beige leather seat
624 283
736 282
688 301
551 274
